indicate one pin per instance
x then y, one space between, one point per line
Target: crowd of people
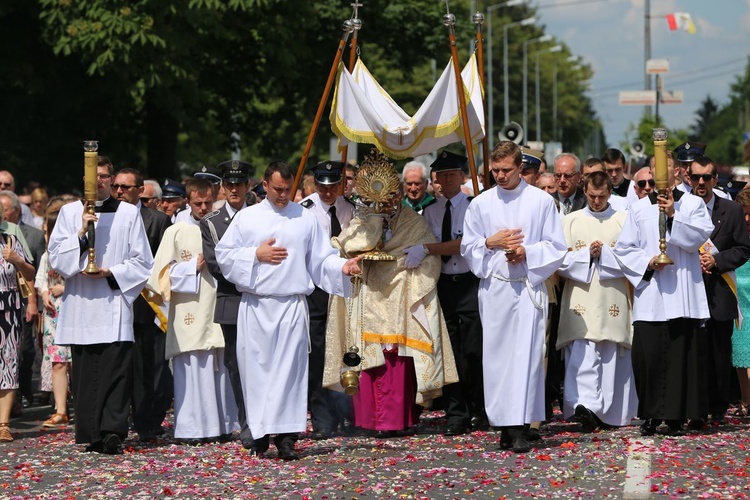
371 296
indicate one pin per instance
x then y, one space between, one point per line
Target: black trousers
669 359
101 381
153 386
458 296
327 408
719 370
230 362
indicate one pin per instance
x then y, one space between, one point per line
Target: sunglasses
642 184
705 177
124 187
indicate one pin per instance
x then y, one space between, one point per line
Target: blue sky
609 35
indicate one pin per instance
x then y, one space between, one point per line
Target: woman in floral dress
56 359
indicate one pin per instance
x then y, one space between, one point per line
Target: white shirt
434 216
344 211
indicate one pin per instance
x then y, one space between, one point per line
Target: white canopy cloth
362 111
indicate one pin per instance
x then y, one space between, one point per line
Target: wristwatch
425 250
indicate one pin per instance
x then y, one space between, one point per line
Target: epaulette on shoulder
307 203
211 214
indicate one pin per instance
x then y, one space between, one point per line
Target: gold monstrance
661 180
90 192
378 186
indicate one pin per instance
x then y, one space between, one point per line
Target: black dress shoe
385 434
287 451
479 423
321 434
506 442
532 434
95 447
159 431
520 445
695 424
147 437
648 427
112 444
586 418
455 430
674 428
259 446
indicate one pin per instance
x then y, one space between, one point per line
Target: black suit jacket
213 227
155 223
731 238
579 200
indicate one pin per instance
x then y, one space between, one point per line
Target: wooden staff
478 19
348 27
450 20
352 61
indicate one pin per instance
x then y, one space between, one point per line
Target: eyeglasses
124 187
642 184
103 176
6 184
566 176
705 177
146 199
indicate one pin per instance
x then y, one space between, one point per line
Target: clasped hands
509 240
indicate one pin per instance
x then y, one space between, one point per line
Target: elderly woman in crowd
13 259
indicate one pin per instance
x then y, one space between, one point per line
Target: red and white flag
681 20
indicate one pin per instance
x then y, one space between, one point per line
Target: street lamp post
556 48
545 38
490 90
524 22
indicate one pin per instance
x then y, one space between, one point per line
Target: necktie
447 231
566 206
335 224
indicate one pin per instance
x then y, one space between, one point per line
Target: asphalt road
613 463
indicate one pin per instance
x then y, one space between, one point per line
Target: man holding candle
669 303
96 315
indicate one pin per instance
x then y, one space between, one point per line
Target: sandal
56 420
5 435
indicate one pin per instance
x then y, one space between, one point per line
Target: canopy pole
449 20
478 19
352 60
348 27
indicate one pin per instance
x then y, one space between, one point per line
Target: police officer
235 176
457 291
172 198
328 408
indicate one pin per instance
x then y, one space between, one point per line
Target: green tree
703 117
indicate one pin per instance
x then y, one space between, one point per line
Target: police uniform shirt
434 216
344 211
231 211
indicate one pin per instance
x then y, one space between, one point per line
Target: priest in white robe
595 330
276 252
96 314
204 406
513 242
668 308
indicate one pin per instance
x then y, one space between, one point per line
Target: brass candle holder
661 180
90 193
